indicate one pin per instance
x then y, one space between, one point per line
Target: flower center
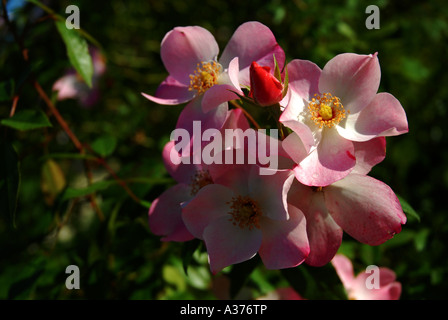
326 110
200 180
205 76
245 212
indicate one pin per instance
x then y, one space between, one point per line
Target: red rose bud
265 89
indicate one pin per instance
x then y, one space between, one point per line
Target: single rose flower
245 213
330 109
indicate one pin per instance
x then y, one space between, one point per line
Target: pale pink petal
195 121
233 72
344 269
184 47
165 215
389 289
368 154
235 119
324 235
219 94
209 204
383 116
332 160
252 41
304 78
66 87
171 92
294 147
353 78
232 175
365 208
182 169
290 118
285 243
228 244
271 191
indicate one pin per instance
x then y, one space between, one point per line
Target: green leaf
240 274
187 253
28 119
104 145
9 180
316 283
6 90
71 193
77 51
407 208
22 287
277 72
285 83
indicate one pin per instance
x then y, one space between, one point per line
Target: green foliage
27 120
77 51
60 205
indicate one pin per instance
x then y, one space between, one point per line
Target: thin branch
55 111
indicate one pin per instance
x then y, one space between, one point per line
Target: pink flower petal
179 169
217 95
171 92
252 41
294 147
332 160
383 116
353 78
304 78
289 118
66 87
232 175
324 235
193 112
368 154
344 269
271 191
165 217
285 244
389 289
236 119
228 244
365 208
209 204
184 47
233 72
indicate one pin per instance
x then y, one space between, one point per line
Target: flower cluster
314 184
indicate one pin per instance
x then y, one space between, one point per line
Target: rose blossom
330 109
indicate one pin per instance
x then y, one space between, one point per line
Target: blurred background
102 228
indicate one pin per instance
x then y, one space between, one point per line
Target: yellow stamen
326 110
205 76
245 212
